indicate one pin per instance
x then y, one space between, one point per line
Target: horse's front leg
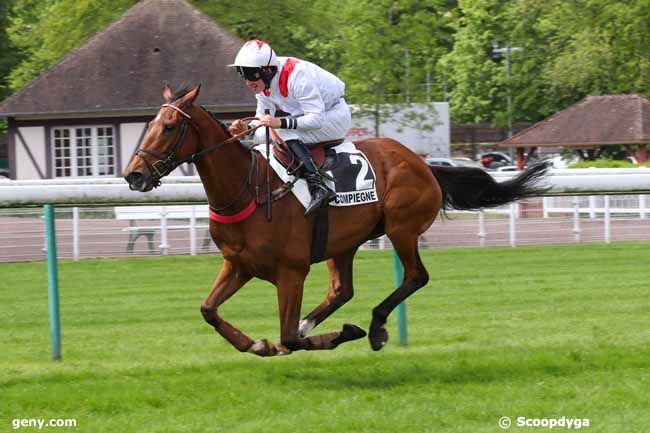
229 280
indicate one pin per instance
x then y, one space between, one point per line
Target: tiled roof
594 121
124 68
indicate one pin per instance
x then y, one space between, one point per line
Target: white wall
423 128
129 135
34 138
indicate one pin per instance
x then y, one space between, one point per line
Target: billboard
423 128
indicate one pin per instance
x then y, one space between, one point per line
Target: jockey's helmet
256 60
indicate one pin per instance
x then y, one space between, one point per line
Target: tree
477 82
388 51
300 33
44 31
9 56
570 50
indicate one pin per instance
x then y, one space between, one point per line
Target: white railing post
44 249
576 219
546 204
75 233
592 207
608 230
481 228
193 231
642 206
513 231
164 246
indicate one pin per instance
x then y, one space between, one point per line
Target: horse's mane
183 90
219 122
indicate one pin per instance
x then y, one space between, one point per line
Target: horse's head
169 140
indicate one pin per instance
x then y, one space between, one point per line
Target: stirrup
293 172
328 196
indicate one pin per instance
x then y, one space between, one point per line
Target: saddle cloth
354 177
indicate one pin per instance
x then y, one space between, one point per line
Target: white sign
423 128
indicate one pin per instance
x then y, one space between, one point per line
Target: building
588 125
87 115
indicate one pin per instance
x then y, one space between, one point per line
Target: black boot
320 193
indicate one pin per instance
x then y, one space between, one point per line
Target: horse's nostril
134 179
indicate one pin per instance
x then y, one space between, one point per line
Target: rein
165 164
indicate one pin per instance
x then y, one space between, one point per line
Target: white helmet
256 54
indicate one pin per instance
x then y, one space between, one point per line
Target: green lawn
534 332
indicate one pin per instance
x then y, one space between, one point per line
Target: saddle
318 151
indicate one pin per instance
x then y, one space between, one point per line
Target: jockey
311 96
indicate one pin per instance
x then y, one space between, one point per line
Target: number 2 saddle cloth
354 177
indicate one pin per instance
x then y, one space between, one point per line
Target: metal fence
84 232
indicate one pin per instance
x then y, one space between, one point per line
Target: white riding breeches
336 123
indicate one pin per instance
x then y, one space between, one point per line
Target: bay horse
411 196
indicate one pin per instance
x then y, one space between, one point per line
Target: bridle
165 164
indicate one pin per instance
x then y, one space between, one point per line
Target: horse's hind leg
290 290
339 292
415 276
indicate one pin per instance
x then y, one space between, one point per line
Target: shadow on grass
385 371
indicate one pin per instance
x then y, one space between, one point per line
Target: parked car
453 162
4 174
507 168
494 160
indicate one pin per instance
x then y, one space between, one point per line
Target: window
84 151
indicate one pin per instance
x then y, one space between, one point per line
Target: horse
411 195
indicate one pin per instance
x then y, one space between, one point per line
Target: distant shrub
605 163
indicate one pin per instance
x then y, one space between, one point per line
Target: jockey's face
256 86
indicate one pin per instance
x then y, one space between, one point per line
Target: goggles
250 73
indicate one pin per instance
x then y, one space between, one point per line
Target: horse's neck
224 171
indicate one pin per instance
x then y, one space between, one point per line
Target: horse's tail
468 188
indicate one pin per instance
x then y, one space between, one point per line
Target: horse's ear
190 96
167 93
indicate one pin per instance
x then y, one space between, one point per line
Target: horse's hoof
352 332
281 350
263 348
348 333
378 338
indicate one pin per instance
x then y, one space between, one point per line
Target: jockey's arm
311 103
239 126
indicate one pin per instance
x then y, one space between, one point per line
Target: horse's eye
169 127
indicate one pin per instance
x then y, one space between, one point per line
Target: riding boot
320 193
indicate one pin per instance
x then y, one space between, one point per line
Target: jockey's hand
268 120
237 127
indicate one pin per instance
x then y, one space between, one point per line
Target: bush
606 163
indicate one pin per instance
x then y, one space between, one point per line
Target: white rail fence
615 209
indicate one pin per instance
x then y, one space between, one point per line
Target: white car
452 162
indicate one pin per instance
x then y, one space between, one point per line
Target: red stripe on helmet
259 43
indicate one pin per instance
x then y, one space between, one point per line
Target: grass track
535 332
